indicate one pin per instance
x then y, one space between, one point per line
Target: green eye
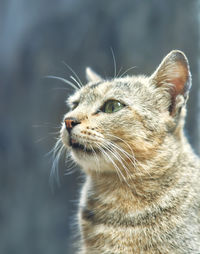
112 106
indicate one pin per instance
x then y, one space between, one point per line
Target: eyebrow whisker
79 85
63 80
70 68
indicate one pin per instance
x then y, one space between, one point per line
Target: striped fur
141 193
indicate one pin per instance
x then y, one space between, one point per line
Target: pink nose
70 122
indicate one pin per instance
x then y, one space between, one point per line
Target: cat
142 188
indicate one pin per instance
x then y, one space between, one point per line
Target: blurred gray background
36 36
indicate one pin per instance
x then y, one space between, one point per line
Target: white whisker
119 72
71 165
114 62
57 151
63 80
116 154
133 67
95 155
81 84
135 163
114 164
123 142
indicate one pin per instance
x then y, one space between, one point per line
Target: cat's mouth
76 146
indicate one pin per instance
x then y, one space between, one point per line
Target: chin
91 161
86 159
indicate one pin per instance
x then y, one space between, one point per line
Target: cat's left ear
174 74
91 75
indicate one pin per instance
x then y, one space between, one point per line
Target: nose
70 122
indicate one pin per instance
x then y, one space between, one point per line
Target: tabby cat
142 189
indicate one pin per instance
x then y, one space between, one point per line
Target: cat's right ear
91 75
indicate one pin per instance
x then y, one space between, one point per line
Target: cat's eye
112 106
74 105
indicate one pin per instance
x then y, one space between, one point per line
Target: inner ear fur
174 74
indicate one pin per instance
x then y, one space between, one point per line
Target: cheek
64 136
126 126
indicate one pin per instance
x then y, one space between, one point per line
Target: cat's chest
108 229
111 219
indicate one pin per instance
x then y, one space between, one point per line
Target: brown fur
141 193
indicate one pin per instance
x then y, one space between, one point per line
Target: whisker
54 133
79 85
123 177
71 168
63 80
121 68
95 155
115 165
115 153
109 158
45 125
142 166
135 163
73 73
130 157
57 151
127 155
41 139
124 143
133 67
114 62
69 162
60 88
114 147
123 152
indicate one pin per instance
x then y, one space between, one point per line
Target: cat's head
126 119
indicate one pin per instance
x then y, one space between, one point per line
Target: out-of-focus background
36 36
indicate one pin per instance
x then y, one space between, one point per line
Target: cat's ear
174 74
91 75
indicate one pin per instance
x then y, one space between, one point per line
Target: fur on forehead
73 98
112 87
